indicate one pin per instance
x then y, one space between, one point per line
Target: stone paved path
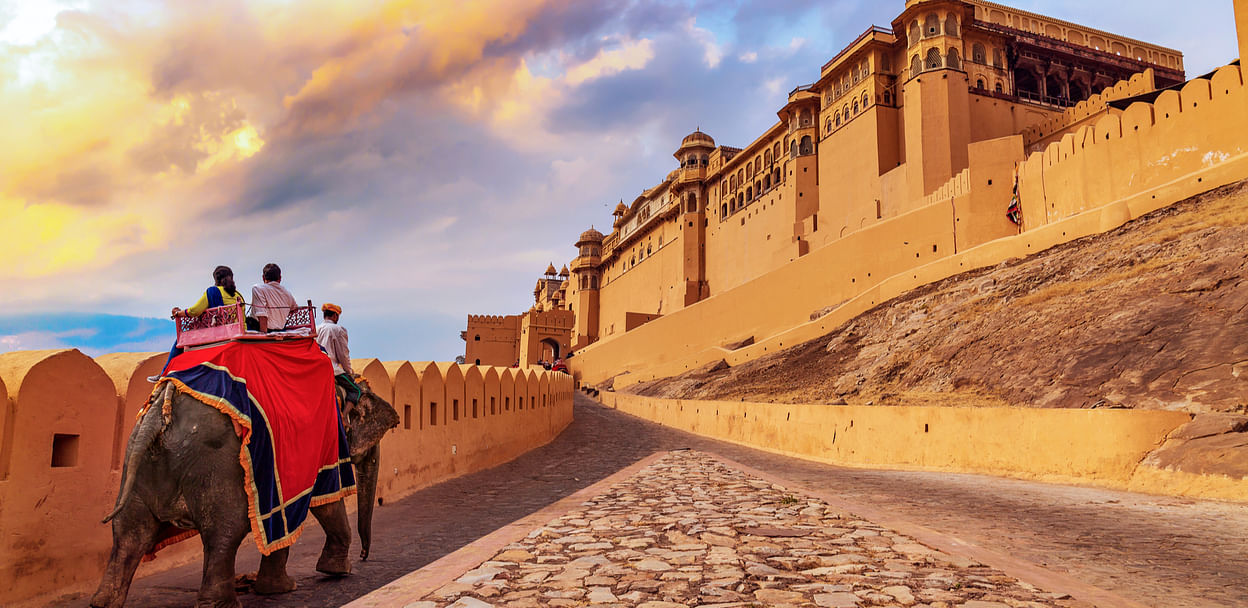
690 531
1163 552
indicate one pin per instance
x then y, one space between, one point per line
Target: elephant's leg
134 533
335 559
366 467
272 577
216 590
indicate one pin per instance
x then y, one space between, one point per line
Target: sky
412 161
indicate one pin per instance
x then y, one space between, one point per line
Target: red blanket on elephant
281 395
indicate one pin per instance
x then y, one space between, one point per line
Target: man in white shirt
333 339
271 301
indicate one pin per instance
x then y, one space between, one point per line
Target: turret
586 276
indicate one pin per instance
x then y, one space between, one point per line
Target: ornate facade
954 93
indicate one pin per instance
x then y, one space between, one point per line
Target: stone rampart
1186 142
1085 447
65 420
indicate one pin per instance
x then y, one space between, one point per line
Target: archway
549 349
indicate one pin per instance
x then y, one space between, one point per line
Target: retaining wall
1102 447
65 420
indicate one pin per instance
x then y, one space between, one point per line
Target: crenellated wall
65 420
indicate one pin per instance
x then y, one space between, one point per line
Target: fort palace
954 93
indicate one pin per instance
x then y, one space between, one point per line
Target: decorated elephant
182 472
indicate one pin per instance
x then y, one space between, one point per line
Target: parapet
1138 84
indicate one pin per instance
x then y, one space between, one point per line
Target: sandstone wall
1102 447
65 420
1095 179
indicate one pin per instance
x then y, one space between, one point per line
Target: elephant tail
143 436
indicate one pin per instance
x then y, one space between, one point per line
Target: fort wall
65 420
1091 180
1084 447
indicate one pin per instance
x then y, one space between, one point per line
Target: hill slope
1151 315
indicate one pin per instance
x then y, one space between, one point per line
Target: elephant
184 471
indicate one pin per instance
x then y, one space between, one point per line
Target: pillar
1241 24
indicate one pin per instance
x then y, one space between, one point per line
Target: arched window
933 59
916 66
931 25
740 176
476 338
866 101
767 182
793 150
776 175
758 163
740 200
864 68
593 282
706 160
979 84
999 88
855 106
807 146
888 98
758 189
767 156
806 120
978 54
827 126
857 76
723 210
749 193
915 33
951 25
954 61
775 151
845 111
749 169
886 65
691 203
838 118
732 182
996 58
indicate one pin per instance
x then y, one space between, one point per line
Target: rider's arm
199 307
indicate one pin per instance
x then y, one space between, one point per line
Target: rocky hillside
1151 315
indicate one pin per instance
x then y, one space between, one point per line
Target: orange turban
334 308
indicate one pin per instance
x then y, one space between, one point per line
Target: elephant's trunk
142 437
367 465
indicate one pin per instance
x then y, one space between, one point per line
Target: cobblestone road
690 531
1160 551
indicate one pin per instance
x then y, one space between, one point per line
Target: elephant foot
272 584
334 565
221 603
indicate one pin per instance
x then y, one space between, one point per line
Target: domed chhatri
550 270
563 272
697 139
590 236
620 209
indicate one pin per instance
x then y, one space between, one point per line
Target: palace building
955 92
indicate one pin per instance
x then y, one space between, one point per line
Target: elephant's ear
376 416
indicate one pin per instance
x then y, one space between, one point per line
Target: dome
550 270
563 272
590 235
564 285
697 138
620 209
